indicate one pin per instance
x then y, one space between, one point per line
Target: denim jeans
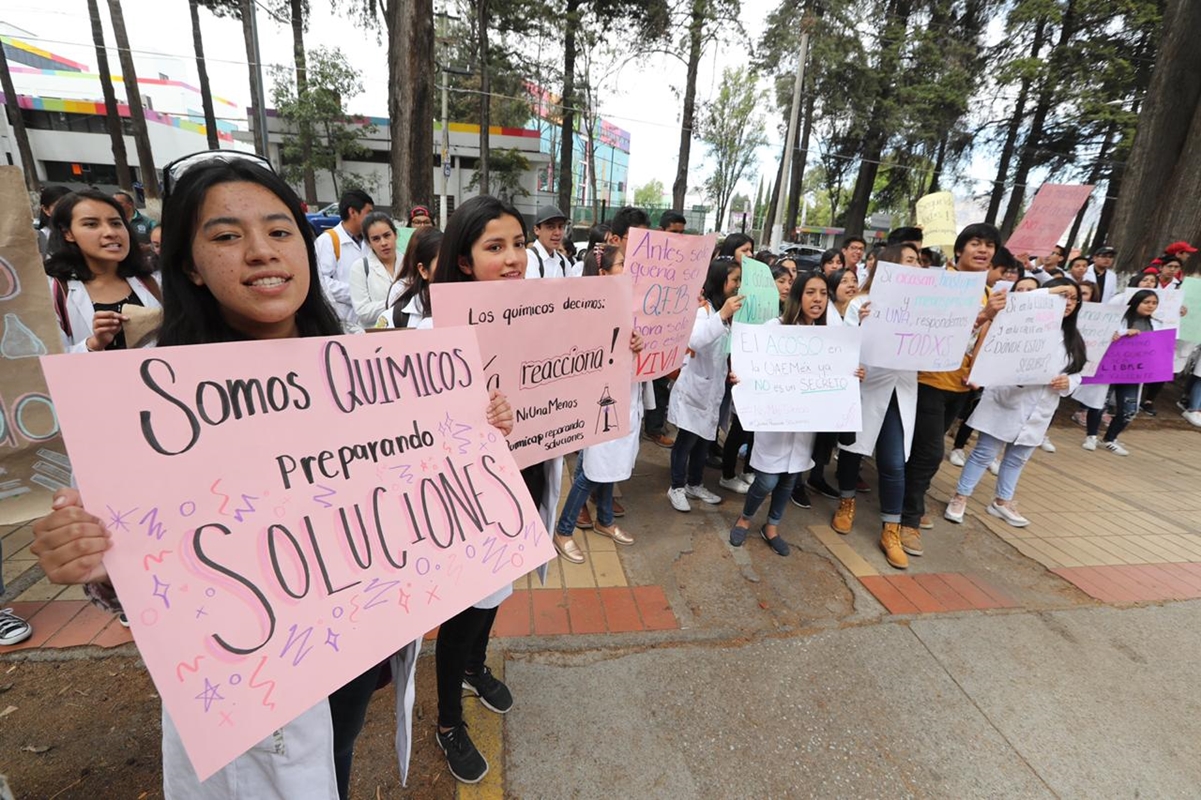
1125 401
688 459
1194 395
581 488
890 465
937 410
778 485
983 454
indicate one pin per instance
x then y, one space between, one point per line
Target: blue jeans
688 459
581 488
890 465
1194 395
1125 401
778 485
987 447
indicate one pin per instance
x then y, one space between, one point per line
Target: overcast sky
645 102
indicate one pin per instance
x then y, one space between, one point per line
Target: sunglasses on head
180 166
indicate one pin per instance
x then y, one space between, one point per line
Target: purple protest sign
1145 358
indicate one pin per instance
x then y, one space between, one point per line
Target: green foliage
320 117
732 130
649 194
506 168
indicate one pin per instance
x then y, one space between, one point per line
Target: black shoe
465 762
737 536
819 485
800 497
1149 410
491 692
778 544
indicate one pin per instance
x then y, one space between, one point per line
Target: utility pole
260 103
443 214
777 230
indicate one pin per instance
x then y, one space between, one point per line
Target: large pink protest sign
1049 215
558 349
1143 358
668 270
286 514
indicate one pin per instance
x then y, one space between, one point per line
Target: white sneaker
958 457
1090 443
747 477
1193 418
702 494
679 501
13 629
1116 449
1009 513
956 509
995 466
1047 446
737 485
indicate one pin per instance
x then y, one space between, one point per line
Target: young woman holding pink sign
238 264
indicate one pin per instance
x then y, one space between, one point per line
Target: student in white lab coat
409 296
1015 418
779 457
372 276
602 465
695 404
95 271
253 275
888 398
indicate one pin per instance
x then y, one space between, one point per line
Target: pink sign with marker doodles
286 514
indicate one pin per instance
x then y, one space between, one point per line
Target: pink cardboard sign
1054 207
286 514
559 350
668 270
1145 358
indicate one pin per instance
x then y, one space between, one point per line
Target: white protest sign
1021 346
1170 302
796 377
1097 324
921 318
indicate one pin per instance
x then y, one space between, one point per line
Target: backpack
333 235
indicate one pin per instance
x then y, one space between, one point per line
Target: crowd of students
238 261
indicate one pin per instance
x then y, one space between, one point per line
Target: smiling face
383 241
499 253
976 256
100 233
848 287
550 234
248 252
852 253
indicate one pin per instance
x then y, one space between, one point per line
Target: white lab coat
370 283
80 311
780 452
613 461
548 505
1111 283
335 272
1021 414
695 404
540 263
875 393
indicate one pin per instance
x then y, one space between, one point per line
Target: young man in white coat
339 249
1100 273
545 255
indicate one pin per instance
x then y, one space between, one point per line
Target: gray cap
547 213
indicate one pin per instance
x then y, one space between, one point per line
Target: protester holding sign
760 303
409 296
1138 318
238 263
697 395
1016 418
889 401
95 272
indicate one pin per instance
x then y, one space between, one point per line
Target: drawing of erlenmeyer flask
606 415
19 341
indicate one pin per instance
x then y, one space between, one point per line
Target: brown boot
890 543
844 517
911 540
584 520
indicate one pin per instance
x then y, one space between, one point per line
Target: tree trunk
799 159
206 92
940 162
1094 176
18 123
112 116
419 170
1012 131
878 127
1161 190
396 23
1046 97
141 137
773 203
257 94
567 137
302 88
696 30
485 93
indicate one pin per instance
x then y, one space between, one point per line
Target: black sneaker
491 692
819 485
737 536
465 762
777 543
124 620
1149 410
800 497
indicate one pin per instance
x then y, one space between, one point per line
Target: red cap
1177 248
1151 271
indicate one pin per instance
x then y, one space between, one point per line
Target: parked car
324 219
807 256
